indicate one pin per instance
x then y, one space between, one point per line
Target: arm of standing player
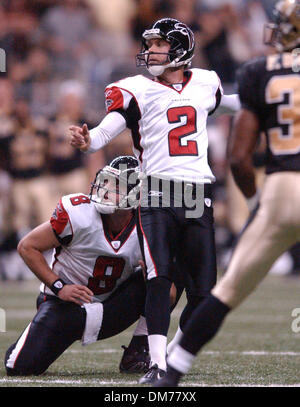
31 249
241 146
92 140
229 104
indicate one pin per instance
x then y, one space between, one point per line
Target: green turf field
256 347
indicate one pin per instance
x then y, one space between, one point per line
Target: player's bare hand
80 137
79 294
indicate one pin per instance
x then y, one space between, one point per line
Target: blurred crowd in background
60 56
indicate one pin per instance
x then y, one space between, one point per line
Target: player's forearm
244 176
37 263
111 126
241 146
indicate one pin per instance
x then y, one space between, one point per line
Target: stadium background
60 56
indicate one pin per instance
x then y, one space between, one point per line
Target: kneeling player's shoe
170 379
135 360
153 374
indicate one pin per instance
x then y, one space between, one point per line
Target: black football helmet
182 45
119 177
284 34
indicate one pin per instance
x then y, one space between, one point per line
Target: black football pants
57 324
166 233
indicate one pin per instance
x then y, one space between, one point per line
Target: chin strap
157 70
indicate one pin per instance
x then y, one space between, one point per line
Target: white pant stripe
151 273
14 355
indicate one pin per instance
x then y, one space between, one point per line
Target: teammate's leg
157 233
198 264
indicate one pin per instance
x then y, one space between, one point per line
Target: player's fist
80 137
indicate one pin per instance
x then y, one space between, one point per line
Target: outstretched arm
230 104
92 140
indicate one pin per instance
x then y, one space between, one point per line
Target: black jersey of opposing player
270 87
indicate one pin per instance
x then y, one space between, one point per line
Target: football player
96 253
269 89
167 117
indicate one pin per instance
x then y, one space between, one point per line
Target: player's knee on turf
30 368
53 329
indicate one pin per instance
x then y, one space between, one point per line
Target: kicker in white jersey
89 255
168 123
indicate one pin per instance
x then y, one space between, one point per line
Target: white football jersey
89 255
168 123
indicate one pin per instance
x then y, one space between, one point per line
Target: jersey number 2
176 135
107 271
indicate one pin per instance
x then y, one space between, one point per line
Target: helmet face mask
180 38
272 34
157 66
116 186
285 33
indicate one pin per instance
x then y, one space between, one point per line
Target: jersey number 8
107 271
